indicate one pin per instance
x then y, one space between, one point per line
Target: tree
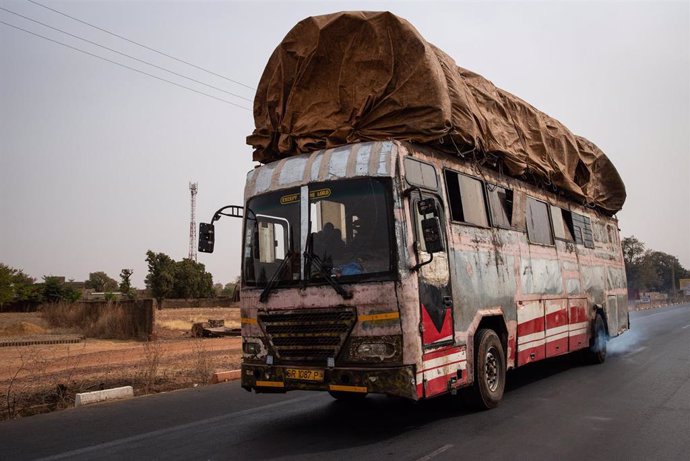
192 280
55 290
179 279
161 277
649 270
125 283
633 250
7 292
666 268
101 282
16 286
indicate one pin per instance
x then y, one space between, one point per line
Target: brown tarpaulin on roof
362 76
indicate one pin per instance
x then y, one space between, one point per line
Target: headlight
251 348
382 350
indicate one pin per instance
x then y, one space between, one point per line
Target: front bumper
397 381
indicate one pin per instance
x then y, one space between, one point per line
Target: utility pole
193 189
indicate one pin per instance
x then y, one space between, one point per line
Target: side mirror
431 229
207 237
427 206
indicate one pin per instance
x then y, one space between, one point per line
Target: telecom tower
193 188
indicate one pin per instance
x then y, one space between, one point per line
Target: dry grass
22 323
109 322
183 319
150 364
37 379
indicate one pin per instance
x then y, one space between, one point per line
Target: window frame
587 222
421 186
487 192
547 205
567 224
487 213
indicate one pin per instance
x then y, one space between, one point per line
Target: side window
538 225
272 238
466 199
501 205
562 224
600 234
582 230
420 174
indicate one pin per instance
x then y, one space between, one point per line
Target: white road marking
436 452
686 326
168 430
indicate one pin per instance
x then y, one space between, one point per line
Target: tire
596 353
347 396
489 372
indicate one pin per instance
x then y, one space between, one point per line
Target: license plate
304 375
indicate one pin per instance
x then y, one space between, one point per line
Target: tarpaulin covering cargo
362 76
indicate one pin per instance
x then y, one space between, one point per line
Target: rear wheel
490 371
597 347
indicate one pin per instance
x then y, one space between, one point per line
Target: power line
141 45
124 54
124 65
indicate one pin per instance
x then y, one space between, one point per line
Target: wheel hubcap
491 370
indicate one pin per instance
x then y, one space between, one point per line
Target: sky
96 159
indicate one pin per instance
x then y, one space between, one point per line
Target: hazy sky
95 159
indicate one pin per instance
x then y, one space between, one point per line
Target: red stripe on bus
556 347
531 326
557 319
578 314
443 352
578 341
525 356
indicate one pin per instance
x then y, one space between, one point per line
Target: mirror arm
416 267
236 211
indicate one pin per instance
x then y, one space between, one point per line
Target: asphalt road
635 406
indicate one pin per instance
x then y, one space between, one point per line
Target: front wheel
490 371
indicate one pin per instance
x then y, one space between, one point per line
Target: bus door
435 296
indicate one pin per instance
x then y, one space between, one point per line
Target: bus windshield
350 223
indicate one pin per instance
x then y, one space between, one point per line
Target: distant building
684 285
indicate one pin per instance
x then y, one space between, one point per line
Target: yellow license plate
304 375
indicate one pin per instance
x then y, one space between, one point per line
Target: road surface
635 406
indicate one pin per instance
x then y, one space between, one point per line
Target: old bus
386 267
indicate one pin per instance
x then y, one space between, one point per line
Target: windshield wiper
276 276
310 258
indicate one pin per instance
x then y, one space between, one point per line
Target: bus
392 268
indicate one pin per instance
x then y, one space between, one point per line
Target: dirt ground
40 378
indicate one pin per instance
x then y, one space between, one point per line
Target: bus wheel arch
596 352
599 310
498 324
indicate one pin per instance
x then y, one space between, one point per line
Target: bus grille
307 335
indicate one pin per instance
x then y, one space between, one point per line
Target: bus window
582 230
501 205
420 174
538 225
466 199
600 234
562 224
